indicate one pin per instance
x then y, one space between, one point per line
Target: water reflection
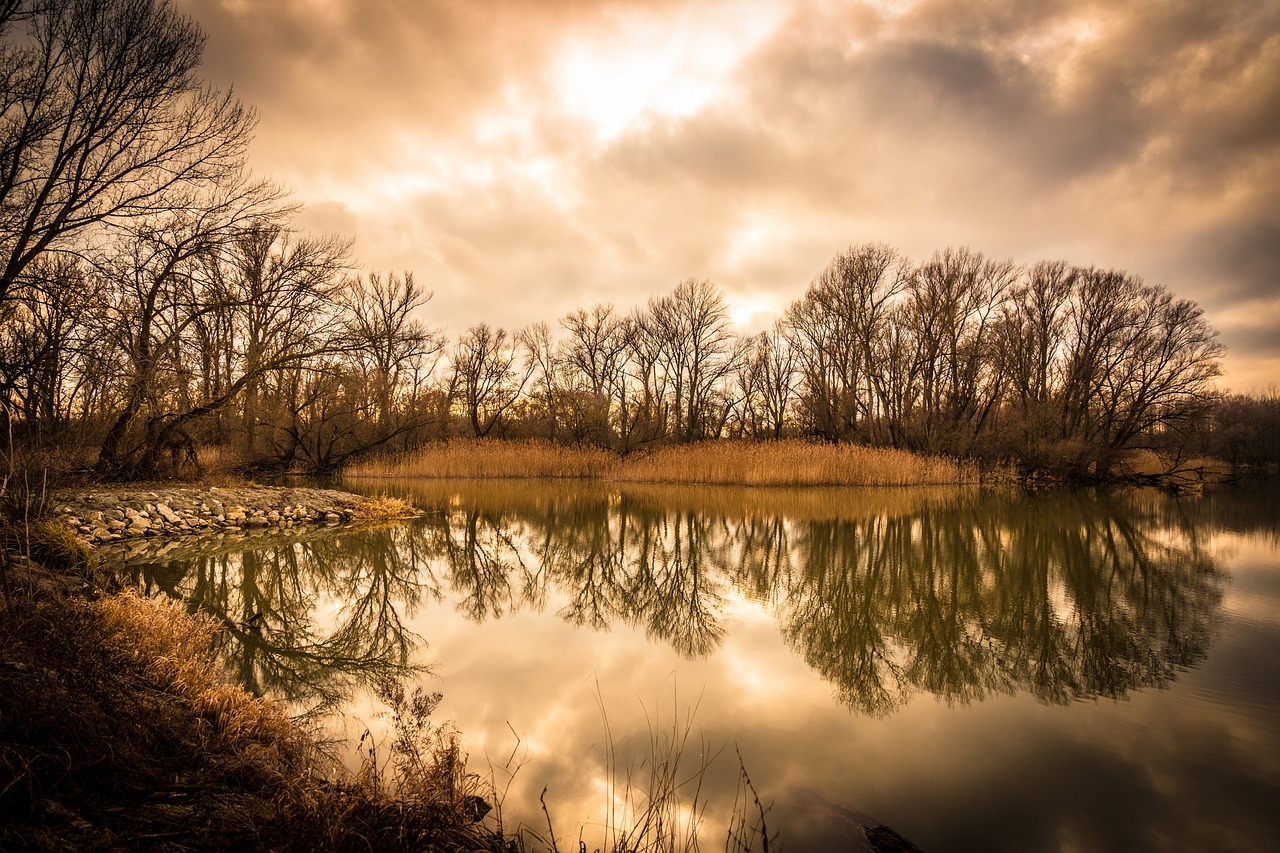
306 618
955 593
958 593
1061 596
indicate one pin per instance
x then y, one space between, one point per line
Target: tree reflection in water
1061 595
886 593
616 562
305 618
957 593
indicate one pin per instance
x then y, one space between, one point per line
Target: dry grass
53 544
498 459
795 463
781 463
220 464
171 649
383 508
119 730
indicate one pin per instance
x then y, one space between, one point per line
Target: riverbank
107 515
120 731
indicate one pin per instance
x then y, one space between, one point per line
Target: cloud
525 159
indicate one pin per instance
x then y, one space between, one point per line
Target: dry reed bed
795 463
489 458
732 463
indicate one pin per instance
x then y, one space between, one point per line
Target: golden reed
734 463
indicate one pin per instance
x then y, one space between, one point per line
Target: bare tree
1246 429
395 350
643 405
373 389
544 360
766 377
954 302
231 258
103 120
698 350
47 329
836 330
1139 360
778 381
1031 337
595 360
286 292
487 373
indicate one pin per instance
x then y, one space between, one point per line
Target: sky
524 159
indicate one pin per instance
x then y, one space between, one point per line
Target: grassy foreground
735 463
119 731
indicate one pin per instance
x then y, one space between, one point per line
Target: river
980 669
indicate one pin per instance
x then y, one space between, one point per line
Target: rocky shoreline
106 515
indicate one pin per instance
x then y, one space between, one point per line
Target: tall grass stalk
655 803
740 463
742 835
656 806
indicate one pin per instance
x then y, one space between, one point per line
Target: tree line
155 298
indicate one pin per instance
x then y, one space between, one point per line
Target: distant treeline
1244 430
154 298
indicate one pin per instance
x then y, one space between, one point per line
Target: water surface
979 669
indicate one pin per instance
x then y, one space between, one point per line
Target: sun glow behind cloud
747 310
638 65
1062 49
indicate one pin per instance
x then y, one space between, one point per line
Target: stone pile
110 515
